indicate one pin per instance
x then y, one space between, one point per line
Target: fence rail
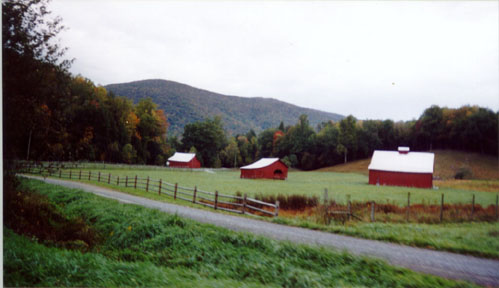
240 205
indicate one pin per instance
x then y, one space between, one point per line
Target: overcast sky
374 60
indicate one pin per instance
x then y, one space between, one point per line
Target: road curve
449 265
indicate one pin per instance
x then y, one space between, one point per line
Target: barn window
277 172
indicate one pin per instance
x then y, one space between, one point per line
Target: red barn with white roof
402 168
183 160
269 168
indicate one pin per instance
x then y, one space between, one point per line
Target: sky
373 60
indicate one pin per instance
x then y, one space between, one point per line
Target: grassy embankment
126 245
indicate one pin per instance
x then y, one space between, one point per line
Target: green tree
151 132
348 136
230 155
431 125
266 142
208 137
298 140
34 78
326 142
129 154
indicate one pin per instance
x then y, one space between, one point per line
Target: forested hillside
184 104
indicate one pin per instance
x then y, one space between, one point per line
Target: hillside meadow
447 164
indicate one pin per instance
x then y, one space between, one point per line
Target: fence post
126 181
118 181
60 173
244 203
89 174
325 197
79 177
109 178
277 208
194 195
159 189
135 185
98 177
216 199
147 184
175 192
497 206
372 211
70 174
408 205
442 208
349 205
472 206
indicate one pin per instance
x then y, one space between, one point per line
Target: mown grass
144 247
339 186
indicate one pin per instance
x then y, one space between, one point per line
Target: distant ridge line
185 104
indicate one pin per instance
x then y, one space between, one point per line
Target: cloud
335 56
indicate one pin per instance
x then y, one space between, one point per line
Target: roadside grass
473 238
145 247
28 263
339 186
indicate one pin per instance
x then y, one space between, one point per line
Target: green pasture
474 238
339 185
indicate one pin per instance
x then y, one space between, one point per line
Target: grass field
476 238
136 246
313 183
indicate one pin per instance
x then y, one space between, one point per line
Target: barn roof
264 162
411 162
182 157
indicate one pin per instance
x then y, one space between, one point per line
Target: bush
463 173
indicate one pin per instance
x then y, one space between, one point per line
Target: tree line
49 114
469 128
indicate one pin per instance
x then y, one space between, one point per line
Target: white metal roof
412 162
182 157
403 149
264 162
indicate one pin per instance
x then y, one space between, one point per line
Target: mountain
184 104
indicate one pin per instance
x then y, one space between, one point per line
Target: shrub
463 173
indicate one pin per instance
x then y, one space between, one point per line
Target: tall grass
144 247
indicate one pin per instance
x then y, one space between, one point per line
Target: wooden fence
348 212
215 200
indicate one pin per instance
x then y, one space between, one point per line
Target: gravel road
450 265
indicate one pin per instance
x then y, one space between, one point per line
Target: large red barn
402 168
269 168
183 160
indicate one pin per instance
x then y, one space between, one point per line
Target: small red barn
183 160
269 168
402 168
